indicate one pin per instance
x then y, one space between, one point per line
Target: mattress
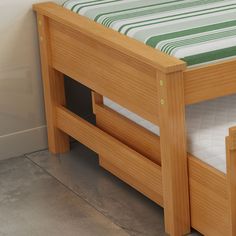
207 126
195 31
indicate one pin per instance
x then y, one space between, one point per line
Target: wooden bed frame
155 86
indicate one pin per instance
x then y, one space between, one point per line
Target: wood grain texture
231 179
137 170
208 199
97 99
211 81
125 130
139 78
54 94
232 138
174 153
105 70
109 163
110 38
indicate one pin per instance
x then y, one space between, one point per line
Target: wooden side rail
209 82
138 171
208 198
231 178
138 138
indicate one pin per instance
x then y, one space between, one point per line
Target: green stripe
98 4
196 13
125 15
153 41
167 9
126 32
169 47
210 56
64 4
95 3
85 3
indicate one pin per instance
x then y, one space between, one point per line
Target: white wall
22 122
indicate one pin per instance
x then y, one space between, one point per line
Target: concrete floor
69 194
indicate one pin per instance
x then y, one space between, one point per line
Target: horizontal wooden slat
105 70
110 163
210 81
143 171
111 38
208 199
137 137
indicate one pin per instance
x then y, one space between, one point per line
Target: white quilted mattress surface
207 126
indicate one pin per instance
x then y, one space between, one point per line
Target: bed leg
231 178
54 92
174 153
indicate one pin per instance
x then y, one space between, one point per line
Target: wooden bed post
231 178
54 92
174 152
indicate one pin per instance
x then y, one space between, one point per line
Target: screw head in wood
162 101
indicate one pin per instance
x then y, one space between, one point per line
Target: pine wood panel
105 70
173 152
208 82
54 93
110 164
208 199
137 170
138 138
127 46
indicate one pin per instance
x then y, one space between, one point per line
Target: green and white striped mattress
195 31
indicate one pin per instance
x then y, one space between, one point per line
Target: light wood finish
211 81
152 190
173 152
137 170
110 38
208 186
139 78
208 199
232 138
105 70
125 130
201 83
231 179
141 141
54 93
96 99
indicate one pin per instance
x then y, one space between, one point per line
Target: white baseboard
26 141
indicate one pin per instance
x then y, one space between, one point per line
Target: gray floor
69 194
